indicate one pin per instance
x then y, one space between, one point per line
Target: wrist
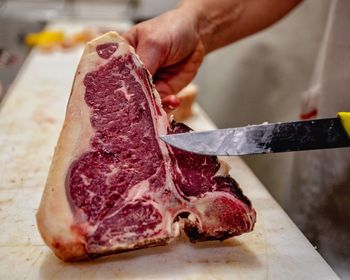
216 23
194 10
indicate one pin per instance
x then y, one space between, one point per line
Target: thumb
150 55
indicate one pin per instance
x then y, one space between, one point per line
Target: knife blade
264 138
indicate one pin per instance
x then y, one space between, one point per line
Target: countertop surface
31 117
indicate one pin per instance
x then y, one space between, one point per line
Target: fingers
170 80
150 56
131 36
148 49
171 52
170 102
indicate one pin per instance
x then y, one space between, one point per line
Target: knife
267 138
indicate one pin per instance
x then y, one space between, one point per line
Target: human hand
171 49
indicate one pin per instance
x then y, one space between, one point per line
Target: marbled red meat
126 188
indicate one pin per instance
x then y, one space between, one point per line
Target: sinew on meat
113 185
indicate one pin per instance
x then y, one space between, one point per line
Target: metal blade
265 138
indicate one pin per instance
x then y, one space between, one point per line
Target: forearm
221 22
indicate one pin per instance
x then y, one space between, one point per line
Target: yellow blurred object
82 37
44 38
345 120
49 41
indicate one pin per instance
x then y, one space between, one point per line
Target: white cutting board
30 121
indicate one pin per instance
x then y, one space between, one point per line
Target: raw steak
113 185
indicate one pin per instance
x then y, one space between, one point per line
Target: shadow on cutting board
177 260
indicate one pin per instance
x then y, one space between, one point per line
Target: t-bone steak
113 185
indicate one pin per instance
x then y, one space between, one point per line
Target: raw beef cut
113 185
